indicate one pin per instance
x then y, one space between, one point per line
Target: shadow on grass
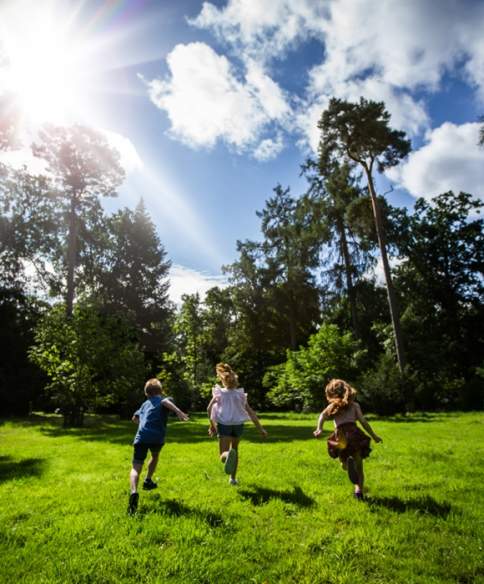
260 496
174 508
426 505
15 469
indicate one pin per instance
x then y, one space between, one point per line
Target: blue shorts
141 450
231 430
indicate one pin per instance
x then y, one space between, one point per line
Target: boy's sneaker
233 482
352 472
231 461
133 503
149 485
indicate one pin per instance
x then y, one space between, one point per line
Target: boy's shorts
141 450
231 430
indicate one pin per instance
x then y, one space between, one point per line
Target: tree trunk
392 300
349 280
71 257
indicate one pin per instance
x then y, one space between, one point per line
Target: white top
229 406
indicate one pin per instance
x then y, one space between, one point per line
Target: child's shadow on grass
261 496
15 469
176 509
426 505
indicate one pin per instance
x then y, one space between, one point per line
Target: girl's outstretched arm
319 428
361 418
255 419
212 430
172 407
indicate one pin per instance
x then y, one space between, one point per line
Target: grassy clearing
292 519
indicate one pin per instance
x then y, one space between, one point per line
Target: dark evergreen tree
132 276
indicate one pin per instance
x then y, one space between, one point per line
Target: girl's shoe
358 495
231 461
352 472
233 482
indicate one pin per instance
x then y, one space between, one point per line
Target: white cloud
206 102
187 281
450 160
129 157
269 149
262 30
380 50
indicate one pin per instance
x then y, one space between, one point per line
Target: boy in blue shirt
151 418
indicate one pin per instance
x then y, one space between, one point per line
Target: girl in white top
228 410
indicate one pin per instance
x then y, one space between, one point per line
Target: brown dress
347 439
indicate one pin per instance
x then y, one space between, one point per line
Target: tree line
84 300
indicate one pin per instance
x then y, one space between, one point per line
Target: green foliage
360 132
131 274
83 168
302 378
21 381
383 389
291 520
91 359
442 247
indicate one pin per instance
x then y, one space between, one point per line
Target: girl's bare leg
234 445
361 476
224 447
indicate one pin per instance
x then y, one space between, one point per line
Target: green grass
292 519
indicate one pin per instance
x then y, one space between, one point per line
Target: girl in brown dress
347 442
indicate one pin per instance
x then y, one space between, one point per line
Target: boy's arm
361 418
135 418
255 419
168 404
319 428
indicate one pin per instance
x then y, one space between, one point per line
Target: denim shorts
232 430
141 450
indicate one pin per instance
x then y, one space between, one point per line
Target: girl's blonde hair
340 395
227 375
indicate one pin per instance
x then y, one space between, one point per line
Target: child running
227 411
347 442
151 418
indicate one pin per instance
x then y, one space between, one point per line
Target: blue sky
213 104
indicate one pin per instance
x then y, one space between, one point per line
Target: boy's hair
340 395
153 387
227 375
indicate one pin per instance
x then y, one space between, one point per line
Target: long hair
340 395
227 375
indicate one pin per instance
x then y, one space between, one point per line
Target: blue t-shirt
153 417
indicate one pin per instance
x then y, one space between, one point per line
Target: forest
86 316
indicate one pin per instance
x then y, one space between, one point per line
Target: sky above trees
213 104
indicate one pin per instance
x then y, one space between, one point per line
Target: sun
43 63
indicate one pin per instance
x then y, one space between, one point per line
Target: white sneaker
233 481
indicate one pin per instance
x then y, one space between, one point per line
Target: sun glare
43 65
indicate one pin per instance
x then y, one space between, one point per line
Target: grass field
64 495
